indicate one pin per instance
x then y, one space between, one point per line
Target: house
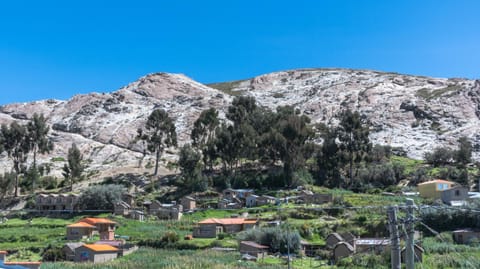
129 199
104 227
69 250
455 195
95 253
171 211
237 193
267 200
316 198
342 250
251 200
348 237
466 236
137 215
418 250
253 249
122 208
375 245
80 230
230 203
45 203
333 239
210 228
188 203
123 248
16 265
433 189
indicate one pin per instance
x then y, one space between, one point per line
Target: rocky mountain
414 112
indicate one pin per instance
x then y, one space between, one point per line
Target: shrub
101 197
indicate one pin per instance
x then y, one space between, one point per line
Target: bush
277 238
53 254
439 156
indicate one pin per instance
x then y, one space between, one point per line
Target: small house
348 237
253 249
80 230
137 215
333 239
309 249
251 200
122 208
342 250
231 203
170 211
433 189
104 227
16 265
210 228
466 236
455 195
237 193
418 252
69 250
188 203
52 202
266 200
95 253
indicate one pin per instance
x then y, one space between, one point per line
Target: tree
7 181
190 166
353 136
101 197
37 135
463 155
328 157
203 134
159 133
73 169
293 144
15 142
37 130
439 156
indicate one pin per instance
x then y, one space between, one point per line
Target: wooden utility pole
410 242
394 238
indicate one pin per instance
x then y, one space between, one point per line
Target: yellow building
433 189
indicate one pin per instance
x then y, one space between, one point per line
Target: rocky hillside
413 112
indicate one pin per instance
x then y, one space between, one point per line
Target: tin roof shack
375 245
433 189
188 203
171 211
237 193
267 200
230 203
456 195
95 253
80 230
104 227
210 228
16 265
69 250
253 249
466 236
418 250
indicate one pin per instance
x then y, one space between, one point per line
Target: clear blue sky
55 49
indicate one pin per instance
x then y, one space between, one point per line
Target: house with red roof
210 228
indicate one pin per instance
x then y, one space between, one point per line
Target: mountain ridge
413 112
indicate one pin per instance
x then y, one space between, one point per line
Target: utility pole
409 246
394 238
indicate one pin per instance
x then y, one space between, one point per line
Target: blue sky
55 49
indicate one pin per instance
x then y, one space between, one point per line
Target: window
457 192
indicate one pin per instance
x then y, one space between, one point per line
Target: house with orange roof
210 228
87 227
80 230
16 265
104 227
95 253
